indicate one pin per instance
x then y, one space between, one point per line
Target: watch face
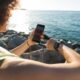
56 46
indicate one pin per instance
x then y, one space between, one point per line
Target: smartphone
38 32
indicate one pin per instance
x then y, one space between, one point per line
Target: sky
51 4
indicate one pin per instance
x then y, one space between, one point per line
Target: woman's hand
30 41
50 44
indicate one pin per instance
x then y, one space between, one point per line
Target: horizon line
46 10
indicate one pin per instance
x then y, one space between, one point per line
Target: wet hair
5 7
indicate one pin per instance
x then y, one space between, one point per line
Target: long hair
5 7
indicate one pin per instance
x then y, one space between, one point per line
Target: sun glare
20 21
20 18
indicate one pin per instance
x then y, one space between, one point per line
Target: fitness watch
57 45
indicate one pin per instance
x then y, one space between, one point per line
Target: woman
6 9
14 68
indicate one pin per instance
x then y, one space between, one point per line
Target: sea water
59 24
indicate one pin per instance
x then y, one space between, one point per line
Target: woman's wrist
30 42
58 46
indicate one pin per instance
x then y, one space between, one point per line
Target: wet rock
43 55
11 39
3 44
15 41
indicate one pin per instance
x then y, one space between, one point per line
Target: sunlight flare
20 21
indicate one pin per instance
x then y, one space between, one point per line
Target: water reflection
20 21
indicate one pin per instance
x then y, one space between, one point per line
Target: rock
3 44
15 41
43 55
11 39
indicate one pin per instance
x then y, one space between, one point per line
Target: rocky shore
12 39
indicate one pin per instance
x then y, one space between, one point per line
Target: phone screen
38 32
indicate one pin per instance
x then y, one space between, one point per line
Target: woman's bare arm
69 54
21 69
19 50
